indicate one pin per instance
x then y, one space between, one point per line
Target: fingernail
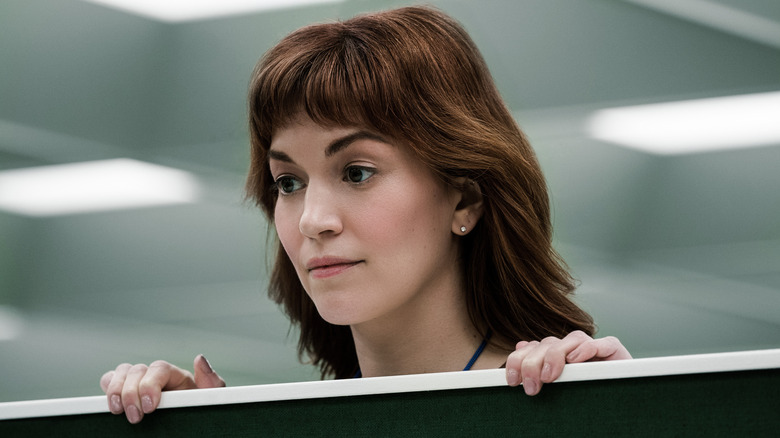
573 356
530 386
116 404
546 372
132 414
146 404
512 378
208 365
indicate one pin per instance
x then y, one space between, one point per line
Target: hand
535 363
136 389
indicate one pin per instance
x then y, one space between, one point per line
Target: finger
114 388
536 365
131 400
541 362
515 360
558 352
608 348
106 380
161 376
205 376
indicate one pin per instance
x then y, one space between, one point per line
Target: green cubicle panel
734 401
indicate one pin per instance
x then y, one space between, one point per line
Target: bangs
327 73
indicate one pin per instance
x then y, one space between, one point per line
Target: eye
287 185
358 174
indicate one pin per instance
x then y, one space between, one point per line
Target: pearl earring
462 229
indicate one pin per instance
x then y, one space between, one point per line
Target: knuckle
557 350
530 364
105 380
160 364
514 359
138 369
522 350
147 386
523 347
115 388
129 394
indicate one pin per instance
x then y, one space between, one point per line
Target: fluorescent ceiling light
186 10
93 186
11 323
692 125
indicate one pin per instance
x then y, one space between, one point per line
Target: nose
320 215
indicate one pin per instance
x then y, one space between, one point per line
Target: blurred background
677 250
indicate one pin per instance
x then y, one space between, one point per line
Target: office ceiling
675 254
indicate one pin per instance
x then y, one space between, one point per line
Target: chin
345 306
340 314
338 318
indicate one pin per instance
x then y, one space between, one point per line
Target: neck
438 338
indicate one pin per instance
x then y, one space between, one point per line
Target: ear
469 209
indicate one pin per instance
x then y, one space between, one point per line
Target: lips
326 267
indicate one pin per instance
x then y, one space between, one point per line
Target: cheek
286 224
400 217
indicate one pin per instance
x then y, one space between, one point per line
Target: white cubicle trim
646 367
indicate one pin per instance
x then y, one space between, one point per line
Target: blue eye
358 174
288 185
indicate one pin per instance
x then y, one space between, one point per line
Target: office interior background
677 250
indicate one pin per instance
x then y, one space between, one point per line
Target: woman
412 215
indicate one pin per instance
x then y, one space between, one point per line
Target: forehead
301 125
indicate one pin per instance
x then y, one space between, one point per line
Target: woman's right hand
136 389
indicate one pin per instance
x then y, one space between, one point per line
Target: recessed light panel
186 10
692 125
93 186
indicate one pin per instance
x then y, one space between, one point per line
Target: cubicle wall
727 394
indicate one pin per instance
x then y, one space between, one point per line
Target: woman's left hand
537 362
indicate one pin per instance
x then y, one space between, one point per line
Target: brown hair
415 75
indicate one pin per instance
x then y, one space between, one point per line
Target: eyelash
370 170
277 185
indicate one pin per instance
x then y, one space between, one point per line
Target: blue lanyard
473 359
477 353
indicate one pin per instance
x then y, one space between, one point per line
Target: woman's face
367 226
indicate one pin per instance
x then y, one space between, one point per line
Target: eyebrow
279 156
337 145
334 147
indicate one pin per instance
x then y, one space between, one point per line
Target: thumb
205 376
